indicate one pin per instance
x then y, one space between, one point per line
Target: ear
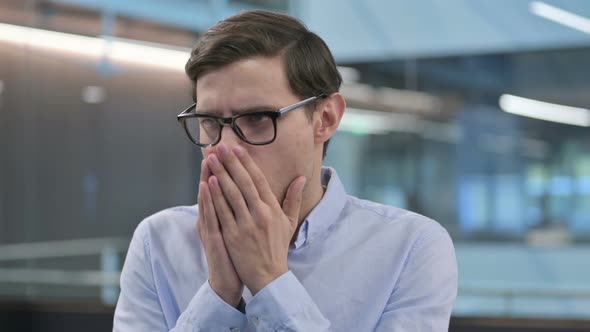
328 116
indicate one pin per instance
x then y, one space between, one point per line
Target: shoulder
172 223
422 243
385 217
421 259
169 240
393 229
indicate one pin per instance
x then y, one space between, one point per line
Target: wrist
263 281
234 302
232 298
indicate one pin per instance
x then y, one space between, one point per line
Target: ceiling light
120 49
363 121
158 55
136 52
545 111
560 16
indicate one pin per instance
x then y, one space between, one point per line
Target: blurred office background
475 113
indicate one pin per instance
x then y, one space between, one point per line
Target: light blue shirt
356 266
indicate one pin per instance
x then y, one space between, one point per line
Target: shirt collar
325 212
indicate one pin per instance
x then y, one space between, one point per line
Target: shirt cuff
283 302
208 312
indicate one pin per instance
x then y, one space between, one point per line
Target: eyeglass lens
255 128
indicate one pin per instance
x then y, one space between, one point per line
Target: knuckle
252 192
258 177
234 196
232 236
258 211
249 229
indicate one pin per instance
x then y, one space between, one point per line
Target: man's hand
223 277
256 229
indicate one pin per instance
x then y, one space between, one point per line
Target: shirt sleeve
285 305
425 293
139 306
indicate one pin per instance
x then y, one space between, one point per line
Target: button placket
254 320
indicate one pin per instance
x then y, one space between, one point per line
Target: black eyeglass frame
231 121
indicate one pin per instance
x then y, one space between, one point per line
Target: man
274 243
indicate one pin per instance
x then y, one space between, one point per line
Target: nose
228 137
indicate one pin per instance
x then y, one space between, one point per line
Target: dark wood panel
74 170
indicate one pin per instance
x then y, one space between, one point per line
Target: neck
312 194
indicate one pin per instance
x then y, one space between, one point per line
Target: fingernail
213 181
302 185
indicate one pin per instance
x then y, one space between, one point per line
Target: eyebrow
252 109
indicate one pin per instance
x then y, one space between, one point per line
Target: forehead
247 82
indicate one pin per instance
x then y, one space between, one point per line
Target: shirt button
234 329
254 320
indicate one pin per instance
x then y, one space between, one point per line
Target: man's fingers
222 209
257 176
201 222
293 198
210 224
228 188
240 175
205 171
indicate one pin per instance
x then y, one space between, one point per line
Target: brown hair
309 64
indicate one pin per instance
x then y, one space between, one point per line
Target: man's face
261 82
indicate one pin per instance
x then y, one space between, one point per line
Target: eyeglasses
256 128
